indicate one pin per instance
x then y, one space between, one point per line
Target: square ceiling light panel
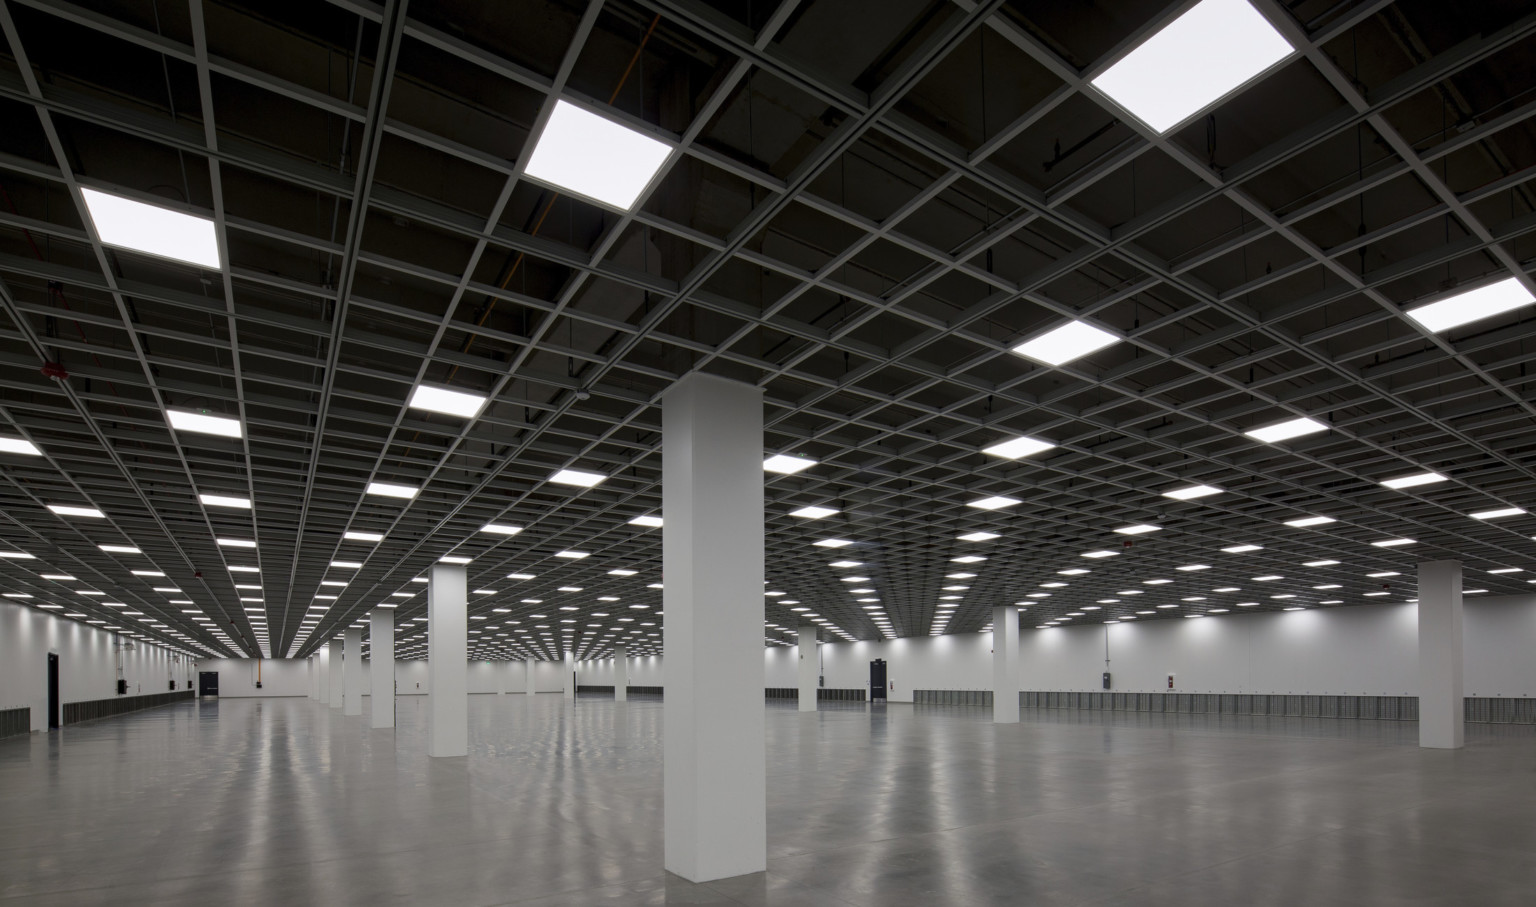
813 512
1206 54
1413 481
224 500
19 446
788 465
447 402
1191 492
204 423
123 223
70 510
1014 448
1285 431
577 477
1073 340
594 157
1472 305
391 490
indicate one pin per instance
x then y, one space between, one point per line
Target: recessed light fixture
1207 53
1138 529
785 464
1267 579
1101 553
833 543
391 490
1393 543
445 401
1472 305
978 537
204 423
154 230
355 536
622 572
1320 563
812 513
1191 568
223 500
1242 549
1383 575
119 549
521 576
18 555
1285 431
458 560
573 555
1014 448
69 510
240 569
597 158
1063 344
1190 492
996 502
237 543
147 572
967 559
1156 582
1497 514
577 477
1074 571
1413 481
19 446
501 529
1305 522
1506 570
650 521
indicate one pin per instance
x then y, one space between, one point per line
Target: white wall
87 667
644 671
1360 650
1499 639
279 676
1363 650
484 677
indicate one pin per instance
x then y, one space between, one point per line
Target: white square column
323 675
715 788
447 661
334 696
352 680
568 687
809 665
314 676
531 684
1441 706
381 667
1005 664
620 674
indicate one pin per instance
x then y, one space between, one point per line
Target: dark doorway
53 690
877 679
207 683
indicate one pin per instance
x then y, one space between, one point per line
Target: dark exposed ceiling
875 200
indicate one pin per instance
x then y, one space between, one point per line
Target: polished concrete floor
285 801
